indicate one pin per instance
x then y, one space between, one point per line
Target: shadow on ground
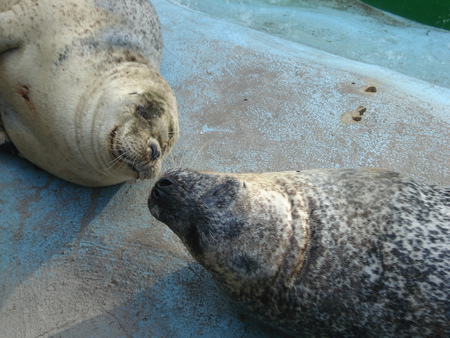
186 299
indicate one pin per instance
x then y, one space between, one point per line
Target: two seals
80 91
357 252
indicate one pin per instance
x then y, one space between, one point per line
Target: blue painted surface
91 262
345 28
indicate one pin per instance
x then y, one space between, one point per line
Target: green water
430 12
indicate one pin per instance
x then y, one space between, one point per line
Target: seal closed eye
319 253
220 195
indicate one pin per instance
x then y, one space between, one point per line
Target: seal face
319 253
80 91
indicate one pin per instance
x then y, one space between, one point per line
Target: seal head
137 119
211 213
351 252
80 91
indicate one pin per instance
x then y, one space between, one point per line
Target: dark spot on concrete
353 115
371 89
245 99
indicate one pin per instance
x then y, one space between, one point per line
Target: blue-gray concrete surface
92 262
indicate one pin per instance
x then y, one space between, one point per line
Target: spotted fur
320 253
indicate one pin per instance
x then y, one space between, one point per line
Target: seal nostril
154 152
156 194
164 182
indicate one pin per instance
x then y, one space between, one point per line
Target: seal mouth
141 157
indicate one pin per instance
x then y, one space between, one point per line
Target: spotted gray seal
319 253
80 90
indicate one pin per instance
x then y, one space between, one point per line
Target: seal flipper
11 36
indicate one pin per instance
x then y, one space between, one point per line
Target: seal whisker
129 163
114 161
120 160
198 153
210 232
111 164
172 160
178 158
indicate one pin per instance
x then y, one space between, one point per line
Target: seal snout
140 154
165 199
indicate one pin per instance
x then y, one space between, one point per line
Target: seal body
80 91
319 253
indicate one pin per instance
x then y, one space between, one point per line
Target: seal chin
142 157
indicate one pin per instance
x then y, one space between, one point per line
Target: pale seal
319 253
81 93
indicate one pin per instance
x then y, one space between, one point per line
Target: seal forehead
265 190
